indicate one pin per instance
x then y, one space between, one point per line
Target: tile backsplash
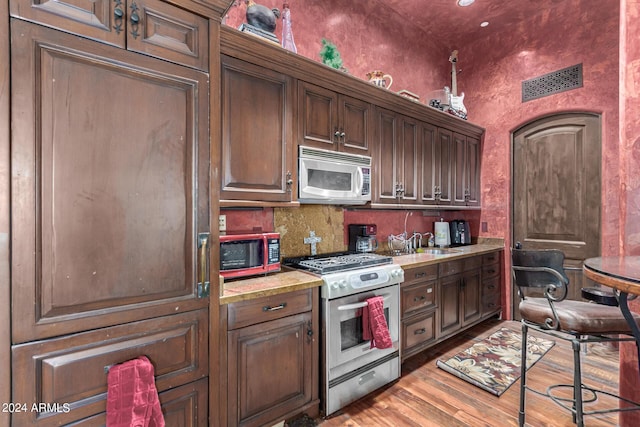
330 223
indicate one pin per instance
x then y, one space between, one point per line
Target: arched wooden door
557 189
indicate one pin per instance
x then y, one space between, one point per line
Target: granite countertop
262 286
421 259
289 281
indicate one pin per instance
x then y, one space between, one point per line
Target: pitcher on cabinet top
378 77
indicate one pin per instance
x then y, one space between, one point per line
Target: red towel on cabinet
374 324
132 397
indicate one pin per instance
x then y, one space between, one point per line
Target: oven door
346 350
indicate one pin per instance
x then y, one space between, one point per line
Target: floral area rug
493 364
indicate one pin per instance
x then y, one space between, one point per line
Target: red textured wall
367 40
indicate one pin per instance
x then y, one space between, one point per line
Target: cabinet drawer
491 258
73 369
420 274
184 406
245 313
419 331
417 297
449 268
491 286
471 263
490 303
490 271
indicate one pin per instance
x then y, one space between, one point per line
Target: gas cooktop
329 263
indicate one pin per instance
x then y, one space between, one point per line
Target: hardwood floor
428 396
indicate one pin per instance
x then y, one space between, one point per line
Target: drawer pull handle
420 298
491 271
420 331
419 275
276 308
491 287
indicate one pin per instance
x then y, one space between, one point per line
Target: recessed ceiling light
464 3
484 23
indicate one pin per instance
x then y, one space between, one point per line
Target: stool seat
577 316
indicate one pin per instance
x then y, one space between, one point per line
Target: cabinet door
110 173
269 370
430 164
95 19
444 158
450 320
408 158
387 166
164 31
318 116
467 170
147 26
256 150
471 299
355 123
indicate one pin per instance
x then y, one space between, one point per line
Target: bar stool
578 322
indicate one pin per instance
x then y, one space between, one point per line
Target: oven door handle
358 305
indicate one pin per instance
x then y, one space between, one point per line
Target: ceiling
445 20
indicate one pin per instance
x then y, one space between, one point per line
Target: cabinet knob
135 20
118 14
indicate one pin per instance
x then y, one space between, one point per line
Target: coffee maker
362 238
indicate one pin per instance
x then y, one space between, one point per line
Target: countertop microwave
333 177
249 254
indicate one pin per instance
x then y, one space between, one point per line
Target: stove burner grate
339 262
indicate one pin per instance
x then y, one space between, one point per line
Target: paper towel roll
442 237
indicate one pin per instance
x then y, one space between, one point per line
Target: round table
621 273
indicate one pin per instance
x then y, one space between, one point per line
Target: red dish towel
374 324
132 397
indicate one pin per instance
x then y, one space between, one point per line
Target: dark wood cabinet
256 154
151 27
440 300
418 309
437 146
110 194
398 158
272 353
467 171
491 284
333 121
72 369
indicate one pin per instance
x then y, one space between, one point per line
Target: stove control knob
343 283
334 285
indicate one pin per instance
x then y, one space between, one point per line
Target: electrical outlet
484 227
222 223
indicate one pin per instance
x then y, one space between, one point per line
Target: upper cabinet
256 153
151 27
329 120
273 101
467 171
398 153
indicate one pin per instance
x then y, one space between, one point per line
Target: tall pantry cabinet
111 205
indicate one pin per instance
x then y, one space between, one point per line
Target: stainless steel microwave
333 177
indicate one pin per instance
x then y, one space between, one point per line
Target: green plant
330 55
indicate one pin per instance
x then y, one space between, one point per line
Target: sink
439 251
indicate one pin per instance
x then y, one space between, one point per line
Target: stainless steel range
352 369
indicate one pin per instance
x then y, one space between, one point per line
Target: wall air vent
555 82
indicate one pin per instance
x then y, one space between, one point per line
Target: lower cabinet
440 300
419 301
69 373
272 358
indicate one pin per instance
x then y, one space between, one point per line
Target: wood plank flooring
428 396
